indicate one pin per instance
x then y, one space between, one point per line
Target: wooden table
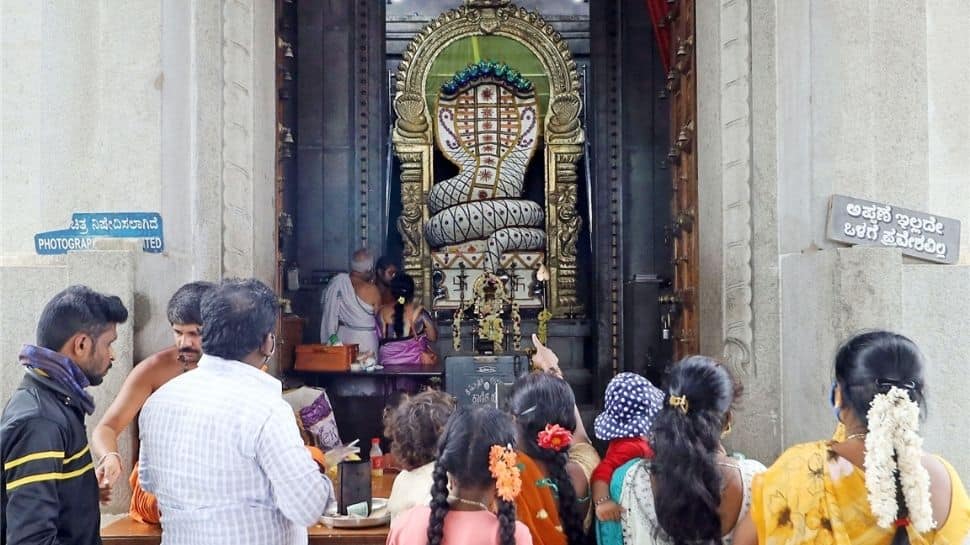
129 532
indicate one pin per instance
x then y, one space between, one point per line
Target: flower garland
893 445
542 329
503 465
456 329
516 327
500 298
489 311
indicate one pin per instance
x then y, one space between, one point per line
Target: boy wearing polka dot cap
632 402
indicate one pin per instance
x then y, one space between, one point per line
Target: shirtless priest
149 375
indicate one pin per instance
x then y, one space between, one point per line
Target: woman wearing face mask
875 485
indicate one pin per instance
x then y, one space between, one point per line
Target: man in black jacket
48 488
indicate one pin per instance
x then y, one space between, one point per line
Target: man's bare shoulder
368 292
157 369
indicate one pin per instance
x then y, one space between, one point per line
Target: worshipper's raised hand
545 359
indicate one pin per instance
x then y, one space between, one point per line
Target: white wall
120 105
934 303
872 103
948 112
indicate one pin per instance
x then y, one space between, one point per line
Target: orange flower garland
555 437
504 467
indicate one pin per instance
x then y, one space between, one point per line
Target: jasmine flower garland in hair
893 424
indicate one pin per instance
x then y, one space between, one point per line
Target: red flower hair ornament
555 437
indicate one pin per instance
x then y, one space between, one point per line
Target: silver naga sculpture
487 125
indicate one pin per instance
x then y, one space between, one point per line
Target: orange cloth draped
144 506
536 506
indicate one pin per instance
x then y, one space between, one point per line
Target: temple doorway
614 200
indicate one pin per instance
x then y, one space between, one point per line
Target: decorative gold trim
413 140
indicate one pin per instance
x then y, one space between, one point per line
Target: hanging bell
286 46
673 81
682 139
673 155
288 137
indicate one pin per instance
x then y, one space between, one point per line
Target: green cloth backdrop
472 49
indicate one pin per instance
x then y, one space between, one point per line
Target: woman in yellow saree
873 485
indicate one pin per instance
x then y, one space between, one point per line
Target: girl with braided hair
555 496
476 460
874 485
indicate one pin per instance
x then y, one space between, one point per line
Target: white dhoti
346 315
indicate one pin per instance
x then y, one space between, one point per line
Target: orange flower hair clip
555 437
504 466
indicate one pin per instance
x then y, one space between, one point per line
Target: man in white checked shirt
220 448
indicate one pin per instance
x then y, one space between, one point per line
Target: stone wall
842 97
934 305
885 122
121 106
827 296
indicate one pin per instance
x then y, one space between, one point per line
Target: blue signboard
85 227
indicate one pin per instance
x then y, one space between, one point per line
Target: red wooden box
320 357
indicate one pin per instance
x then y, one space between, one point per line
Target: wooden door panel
682 90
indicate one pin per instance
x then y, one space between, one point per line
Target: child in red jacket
632 402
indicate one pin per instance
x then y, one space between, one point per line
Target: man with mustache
48 489
148 376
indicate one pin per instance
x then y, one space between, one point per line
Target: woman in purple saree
405 330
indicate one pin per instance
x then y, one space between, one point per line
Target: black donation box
483 380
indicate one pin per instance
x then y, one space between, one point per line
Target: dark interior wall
631 198
341 142
646 194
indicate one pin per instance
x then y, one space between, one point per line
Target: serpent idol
489 119
487 124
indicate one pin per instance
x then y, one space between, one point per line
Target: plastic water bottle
376 458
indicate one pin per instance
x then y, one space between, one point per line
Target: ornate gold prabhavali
413 138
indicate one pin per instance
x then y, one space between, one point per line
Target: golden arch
564 137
